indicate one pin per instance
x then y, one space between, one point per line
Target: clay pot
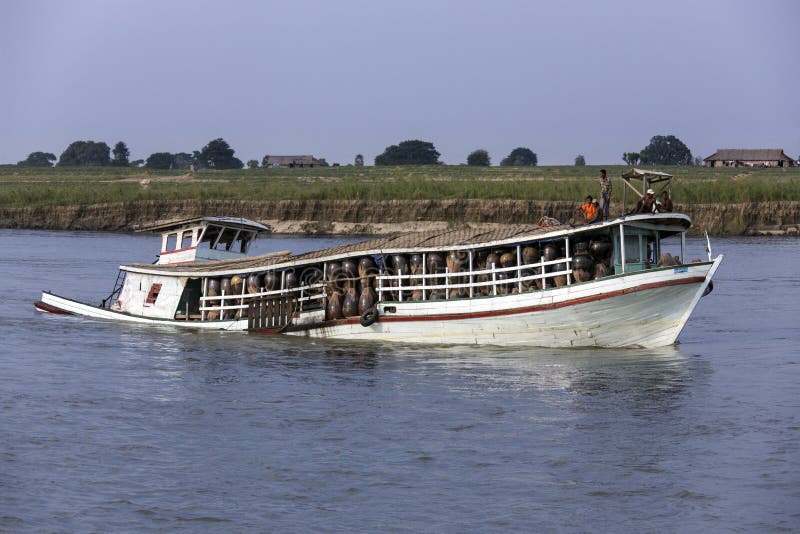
600 249
415 264
530 255
212 290
237 284
350 268
254 283
435 263
366 266
399 264
492 259
212 287
350 303
582 262
508 259
581 247
550 252
334 309
270 281
366 300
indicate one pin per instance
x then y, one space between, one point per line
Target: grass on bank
20 186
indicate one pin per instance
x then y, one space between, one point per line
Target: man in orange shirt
589 210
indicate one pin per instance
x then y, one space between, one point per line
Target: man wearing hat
647 204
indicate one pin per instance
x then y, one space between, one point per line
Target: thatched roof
748 154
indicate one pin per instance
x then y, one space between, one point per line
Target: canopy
648 179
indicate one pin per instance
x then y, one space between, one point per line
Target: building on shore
291 161
748 157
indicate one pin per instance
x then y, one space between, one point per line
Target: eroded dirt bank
370 217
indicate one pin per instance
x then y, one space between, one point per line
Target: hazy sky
337 78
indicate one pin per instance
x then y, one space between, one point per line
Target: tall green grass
21 186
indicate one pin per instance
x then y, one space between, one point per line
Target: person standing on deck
605 193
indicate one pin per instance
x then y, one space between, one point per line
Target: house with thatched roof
290 161
748 157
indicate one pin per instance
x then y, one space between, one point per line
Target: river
115 428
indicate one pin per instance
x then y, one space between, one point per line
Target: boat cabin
206 239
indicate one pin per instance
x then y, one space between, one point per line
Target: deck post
446 284
494 281
471 277
202 302
519 269
399 287
683 247
424 272
544 278
240 311
568 264
622 246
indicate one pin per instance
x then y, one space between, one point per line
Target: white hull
61 305
641 309
645 309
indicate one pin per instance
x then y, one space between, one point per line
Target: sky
340 78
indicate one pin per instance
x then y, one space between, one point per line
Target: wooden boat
606 284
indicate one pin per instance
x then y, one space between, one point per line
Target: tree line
217 154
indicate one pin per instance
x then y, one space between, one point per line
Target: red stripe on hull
544 307
50 309
495 313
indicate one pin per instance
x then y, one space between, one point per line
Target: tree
520 157
479 157
85 153
160 160
182 161
121 154
217 154
666 150
38 159
580 161
137 163
252 164
413 152
631 158
359 160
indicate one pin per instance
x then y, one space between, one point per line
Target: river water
114 428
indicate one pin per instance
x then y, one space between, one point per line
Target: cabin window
632 251
172 242
152 295
187 240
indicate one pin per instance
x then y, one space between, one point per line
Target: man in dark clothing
664 204
605 193
646 204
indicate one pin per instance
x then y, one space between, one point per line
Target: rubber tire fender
369 316
709 288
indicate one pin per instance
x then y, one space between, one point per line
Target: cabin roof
464 237
235 222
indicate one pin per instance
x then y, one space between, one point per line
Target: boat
622 282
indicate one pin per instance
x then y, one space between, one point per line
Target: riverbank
377 200
322 217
